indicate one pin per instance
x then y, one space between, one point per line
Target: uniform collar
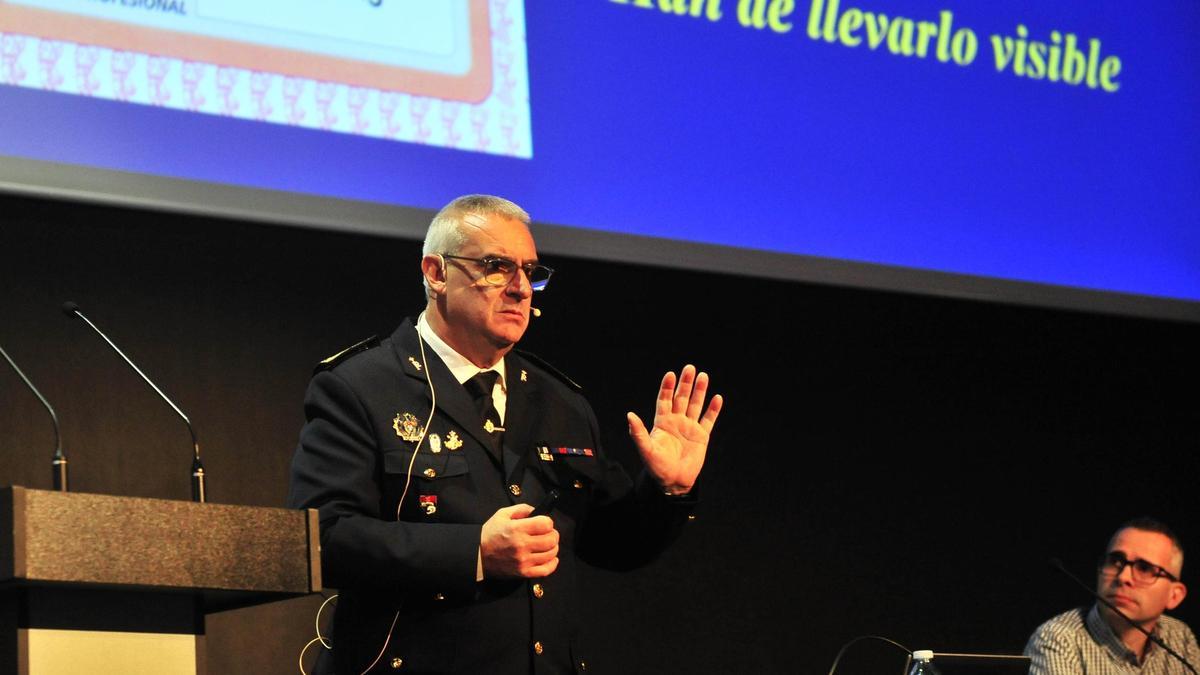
460 366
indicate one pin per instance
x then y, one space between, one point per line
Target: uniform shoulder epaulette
558 374
333 361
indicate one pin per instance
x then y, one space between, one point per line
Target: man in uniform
1139 575
427 453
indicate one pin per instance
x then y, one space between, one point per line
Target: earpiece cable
407 483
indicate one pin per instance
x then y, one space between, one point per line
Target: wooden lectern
102 584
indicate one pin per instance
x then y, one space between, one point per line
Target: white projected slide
450 73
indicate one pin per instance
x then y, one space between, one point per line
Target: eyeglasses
500 271
1144 573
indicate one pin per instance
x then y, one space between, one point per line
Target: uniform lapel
520 417
453 401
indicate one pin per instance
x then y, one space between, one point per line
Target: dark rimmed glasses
500 271
1143 572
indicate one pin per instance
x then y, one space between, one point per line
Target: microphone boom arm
59 463
198 477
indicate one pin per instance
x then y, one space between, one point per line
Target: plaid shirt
1079 642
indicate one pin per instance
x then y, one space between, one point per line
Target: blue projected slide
1056 143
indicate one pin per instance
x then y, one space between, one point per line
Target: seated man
1139 575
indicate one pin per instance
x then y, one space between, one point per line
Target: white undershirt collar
461 367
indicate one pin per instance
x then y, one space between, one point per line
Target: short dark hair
1148 524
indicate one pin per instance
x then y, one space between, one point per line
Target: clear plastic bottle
922 663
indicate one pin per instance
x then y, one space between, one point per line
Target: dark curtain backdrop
888 464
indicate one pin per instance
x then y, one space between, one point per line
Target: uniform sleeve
1052 653
631 521
336 469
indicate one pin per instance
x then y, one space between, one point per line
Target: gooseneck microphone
1057 564
58 465
198 485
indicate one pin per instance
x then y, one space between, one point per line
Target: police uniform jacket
406 572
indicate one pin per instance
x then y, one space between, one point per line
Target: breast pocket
432 475
569 467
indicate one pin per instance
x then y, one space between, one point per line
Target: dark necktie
480 387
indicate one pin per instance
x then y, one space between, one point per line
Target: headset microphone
536 312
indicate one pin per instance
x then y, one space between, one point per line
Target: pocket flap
427 465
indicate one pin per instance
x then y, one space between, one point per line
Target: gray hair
446 234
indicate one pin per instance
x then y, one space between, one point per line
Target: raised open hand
674 449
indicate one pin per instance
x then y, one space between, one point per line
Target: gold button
429 473
583 665
538 591
538 648
438 596
691 516
515 489
396 663
578 483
